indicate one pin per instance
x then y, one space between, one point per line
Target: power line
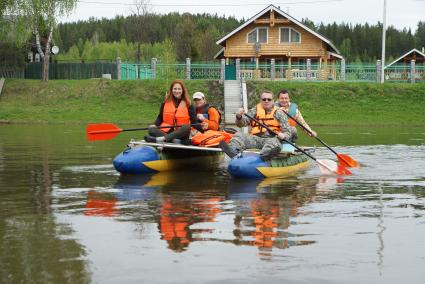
207 5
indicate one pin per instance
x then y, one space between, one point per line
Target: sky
400 13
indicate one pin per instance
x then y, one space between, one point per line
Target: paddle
342 158
325 166
107 131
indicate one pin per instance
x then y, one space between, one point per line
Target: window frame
257 35
290 35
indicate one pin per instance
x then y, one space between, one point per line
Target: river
67 217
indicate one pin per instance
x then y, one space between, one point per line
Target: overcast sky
400 13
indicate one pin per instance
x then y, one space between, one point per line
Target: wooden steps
232 100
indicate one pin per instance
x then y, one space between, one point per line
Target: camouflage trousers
269 147
294 134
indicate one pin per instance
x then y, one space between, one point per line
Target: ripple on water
101 169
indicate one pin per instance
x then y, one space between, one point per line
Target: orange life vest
175 116
267 119
210 138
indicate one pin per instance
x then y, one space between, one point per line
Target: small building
400 70
274 34
406 58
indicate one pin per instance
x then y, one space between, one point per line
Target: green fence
360 73
248 71
205 71
12 73
420 73
72 71
131 71
171 71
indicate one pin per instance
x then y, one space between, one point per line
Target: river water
67 217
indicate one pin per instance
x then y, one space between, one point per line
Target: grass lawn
322 103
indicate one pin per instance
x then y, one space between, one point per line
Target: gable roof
219 53
279 11
404 55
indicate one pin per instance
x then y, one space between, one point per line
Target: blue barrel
131 160
246 166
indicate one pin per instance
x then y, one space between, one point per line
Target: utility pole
384 29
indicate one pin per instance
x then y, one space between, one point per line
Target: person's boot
229 150
150 139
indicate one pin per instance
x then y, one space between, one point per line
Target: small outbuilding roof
411 52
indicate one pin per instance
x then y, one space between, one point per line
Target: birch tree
40 17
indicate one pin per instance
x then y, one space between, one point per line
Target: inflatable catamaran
144 157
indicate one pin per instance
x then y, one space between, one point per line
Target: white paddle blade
327 167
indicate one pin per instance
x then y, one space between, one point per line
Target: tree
346 48
140 23
420 35
40 19
183 37
5 5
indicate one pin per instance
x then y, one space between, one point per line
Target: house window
288 35
295 36
258 35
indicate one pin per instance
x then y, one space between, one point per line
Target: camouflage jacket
285 128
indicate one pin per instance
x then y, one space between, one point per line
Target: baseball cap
198 95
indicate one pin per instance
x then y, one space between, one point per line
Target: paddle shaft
274 132
132 129
309 132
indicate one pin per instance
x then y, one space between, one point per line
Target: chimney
423 49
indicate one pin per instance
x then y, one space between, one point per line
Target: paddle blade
347 161
343 171
102 131
329 167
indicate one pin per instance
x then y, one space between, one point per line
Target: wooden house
274 34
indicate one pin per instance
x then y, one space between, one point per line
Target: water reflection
34 246
190 210
264 211
100 205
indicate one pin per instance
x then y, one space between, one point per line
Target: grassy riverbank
324 103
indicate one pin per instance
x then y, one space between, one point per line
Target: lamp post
384 28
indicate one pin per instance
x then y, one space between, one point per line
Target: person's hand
152 126
281 136
204 126
200 116
313 134
240 113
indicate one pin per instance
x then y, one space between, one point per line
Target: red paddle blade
102 131
343 171
329 167
347 161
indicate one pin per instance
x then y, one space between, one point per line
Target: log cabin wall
310 46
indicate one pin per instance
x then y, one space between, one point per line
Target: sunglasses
266 100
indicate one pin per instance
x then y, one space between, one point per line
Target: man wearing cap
208 116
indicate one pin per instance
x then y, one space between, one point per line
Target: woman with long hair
176 112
